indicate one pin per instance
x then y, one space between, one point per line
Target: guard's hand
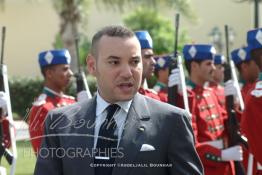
3 103
79 82
83 95
234 153
174 78
230 88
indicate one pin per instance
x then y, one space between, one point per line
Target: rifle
235 137
11 159
176 62
81 82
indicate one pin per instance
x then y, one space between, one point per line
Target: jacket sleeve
181 151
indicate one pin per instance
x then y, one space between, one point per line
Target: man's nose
153 61
126 71
70 73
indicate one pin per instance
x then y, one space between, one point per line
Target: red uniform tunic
219 92
245 89
6 140
208 122
252 119
45 102
161 90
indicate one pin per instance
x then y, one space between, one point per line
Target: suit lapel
133 134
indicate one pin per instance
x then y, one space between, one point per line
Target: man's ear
48 73
91 64
194 65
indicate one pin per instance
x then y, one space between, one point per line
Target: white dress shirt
119 116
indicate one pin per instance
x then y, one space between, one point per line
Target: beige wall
31 27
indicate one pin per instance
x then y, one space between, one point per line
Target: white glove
216 143
232 153
230 88
174 78
83 95
3 102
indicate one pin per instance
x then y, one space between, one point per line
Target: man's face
218 73
204 70
60 75
249 71
148 63
117 67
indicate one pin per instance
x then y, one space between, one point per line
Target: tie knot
111 109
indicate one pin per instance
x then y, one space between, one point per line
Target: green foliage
84 46
182 6
161 29
25 90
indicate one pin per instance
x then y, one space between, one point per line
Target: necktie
106 142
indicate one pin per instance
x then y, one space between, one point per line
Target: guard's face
205 70
60 76
250 71
218 73
118 68
148 63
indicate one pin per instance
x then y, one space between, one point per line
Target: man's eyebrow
136 57
113 57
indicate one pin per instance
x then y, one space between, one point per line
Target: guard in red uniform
149 62
55 68
247 69
218 78
6 141
208 117
252 118
4 130
162 73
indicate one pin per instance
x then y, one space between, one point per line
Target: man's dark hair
112 31
256 54
188 64
44 69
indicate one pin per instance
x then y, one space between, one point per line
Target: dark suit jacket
67 146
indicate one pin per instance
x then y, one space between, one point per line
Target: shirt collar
102 104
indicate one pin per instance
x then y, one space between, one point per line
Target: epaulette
157 88
257 92
152 90
40 100
69 97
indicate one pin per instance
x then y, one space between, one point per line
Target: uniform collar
260 76
191 84
161 85
242 81
49 92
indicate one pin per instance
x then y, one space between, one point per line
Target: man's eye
113 62
136 61
148 56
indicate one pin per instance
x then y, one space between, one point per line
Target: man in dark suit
119 131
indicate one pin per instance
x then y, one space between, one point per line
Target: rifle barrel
3 45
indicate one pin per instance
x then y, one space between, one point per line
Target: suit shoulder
162 107
71 107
